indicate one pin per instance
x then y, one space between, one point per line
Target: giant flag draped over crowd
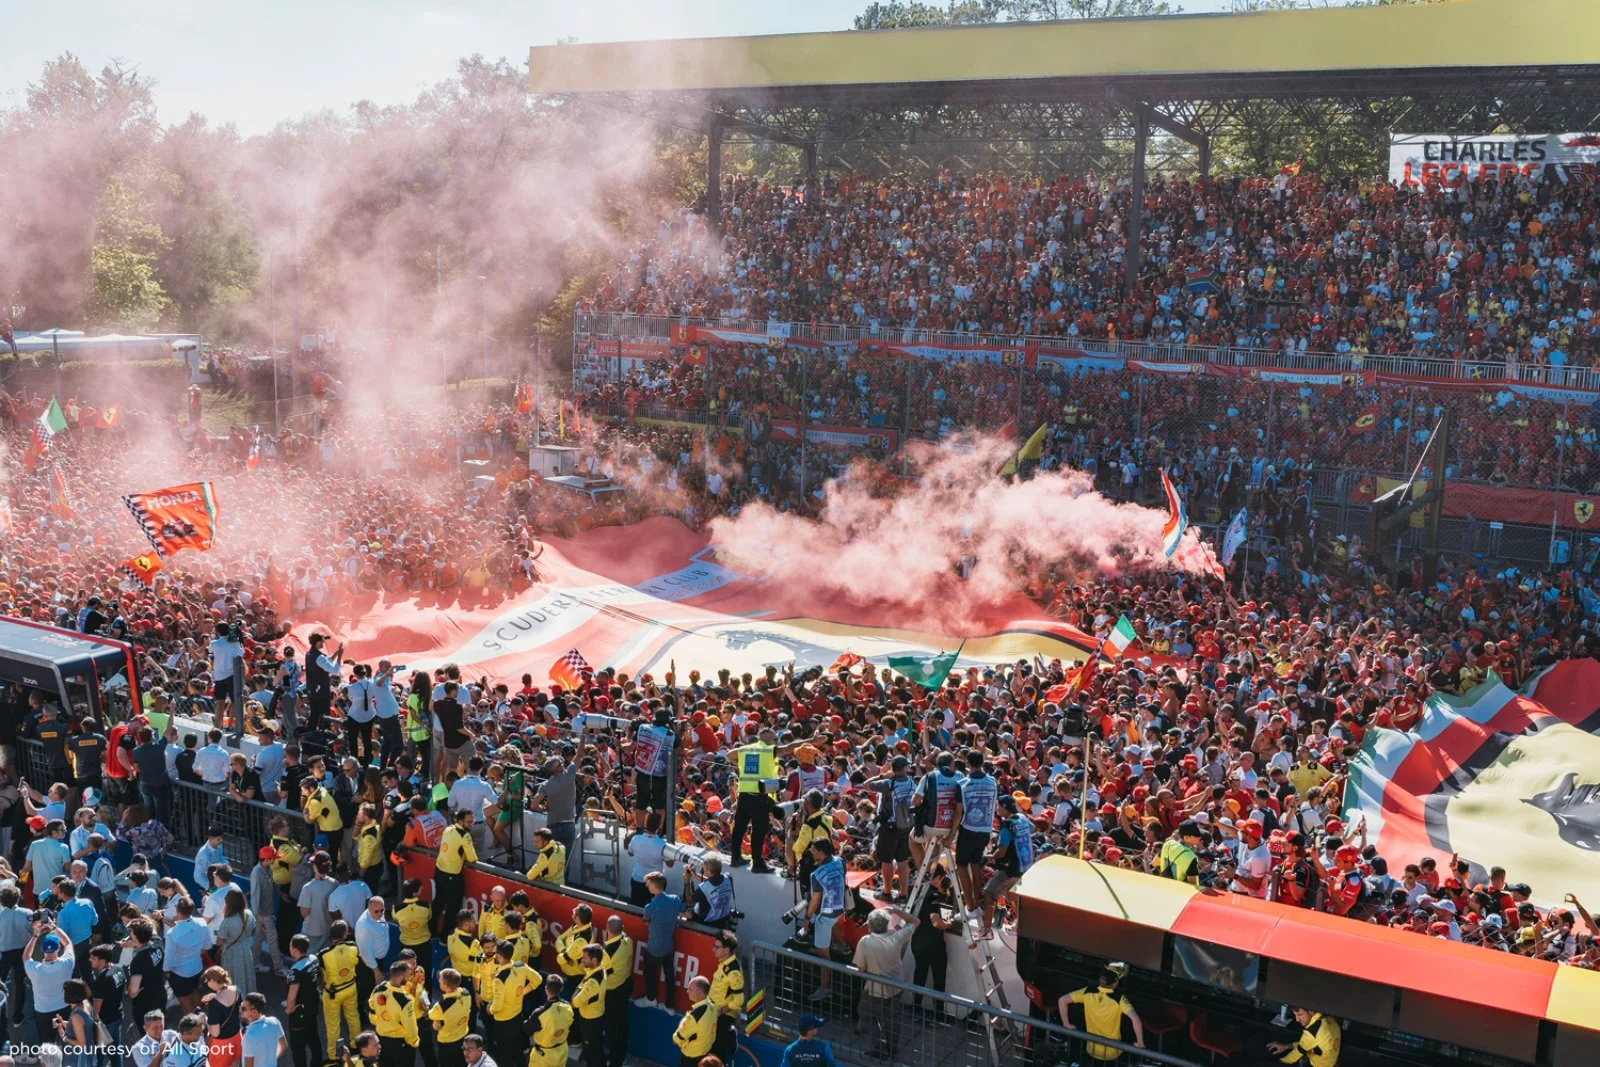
179 517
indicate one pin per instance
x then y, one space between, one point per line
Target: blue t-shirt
661 915
808 1052
77 919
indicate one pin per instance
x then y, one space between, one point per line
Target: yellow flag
1033 450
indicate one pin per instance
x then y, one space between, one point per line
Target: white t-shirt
49 982
145 1049
1254 863
473 793
224 655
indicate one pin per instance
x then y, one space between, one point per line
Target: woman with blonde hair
223 1023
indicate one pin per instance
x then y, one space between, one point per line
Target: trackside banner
1442 159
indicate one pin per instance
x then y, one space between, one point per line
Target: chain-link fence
881 1020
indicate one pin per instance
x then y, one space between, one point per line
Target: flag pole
1083 814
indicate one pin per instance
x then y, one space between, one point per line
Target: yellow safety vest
756 765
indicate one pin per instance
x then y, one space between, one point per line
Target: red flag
143 568
36 447
567 671
1075 682
110 417
524 396
846 660
61 502
1367 420
253 461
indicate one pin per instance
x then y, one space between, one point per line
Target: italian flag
1121 636
50 422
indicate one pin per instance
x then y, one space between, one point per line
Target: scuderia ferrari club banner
642 597
1496 777
1442 159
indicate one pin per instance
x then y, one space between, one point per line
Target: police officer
697 1030
394 1016
338 965
618 948
506 1000
455 852
757 767
300 1006
727 995
551 1026
590 1004
570 944
711 897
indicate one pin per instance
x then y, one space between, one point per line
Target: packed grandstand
1265 727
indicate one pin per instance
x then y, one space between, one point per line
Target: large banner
850 436
1498 503
641 597
1443 159
1495 776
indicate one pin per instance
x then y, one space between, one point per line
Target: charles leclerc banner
1442 159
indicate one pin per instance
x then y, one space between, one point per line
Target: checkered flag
568 671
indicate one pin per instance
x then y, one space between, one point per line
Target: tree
124 291
901 14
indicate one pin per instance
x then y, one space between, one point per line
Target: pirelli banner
1442 159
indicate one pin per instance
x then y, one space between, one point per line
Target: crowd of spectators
1496 271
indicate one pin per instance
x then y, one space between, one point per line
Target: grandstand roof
1471 65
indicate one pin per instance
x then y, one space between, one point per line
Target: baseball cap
51 944
810 1022
267 852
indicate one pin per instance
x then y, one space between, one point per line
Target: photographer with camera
826 904
711 894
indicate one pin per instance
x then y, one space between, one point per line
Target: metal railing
612 325
921 1027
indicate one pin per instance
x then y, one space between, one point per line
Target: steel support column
1205 158
714 174
1131 263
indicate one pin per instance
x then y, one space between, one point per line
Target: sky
256 63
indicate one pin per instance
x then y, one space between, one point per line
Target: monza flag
144 568
1177 519
179 517
568 671
1494 775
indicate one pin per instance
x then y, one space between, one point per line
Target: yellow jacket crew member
321 810
697 1030
369 846
455 852
505 999
1103 1009
483 977
462 945
289 853
415 921
570 944
520 904
339 962
552 1025
550 865
492 920
394 1016
727 995
521 950
619 987
1177 859
451 1015
1318 1044
590 1004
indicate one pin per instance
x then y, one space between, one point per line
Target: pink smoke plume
906 545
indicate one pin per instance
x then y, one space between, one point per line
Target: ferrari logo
1583 511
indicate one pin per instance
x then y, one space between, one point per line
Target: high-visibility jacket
369 850
321 809
697 1030
756 765
551 865
394 1013
289 853
465 954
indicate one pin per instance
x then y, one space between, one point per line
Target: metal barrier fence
920 1027
196 809
640 327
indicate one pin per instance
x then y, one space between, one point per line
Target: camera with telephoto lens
793 913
